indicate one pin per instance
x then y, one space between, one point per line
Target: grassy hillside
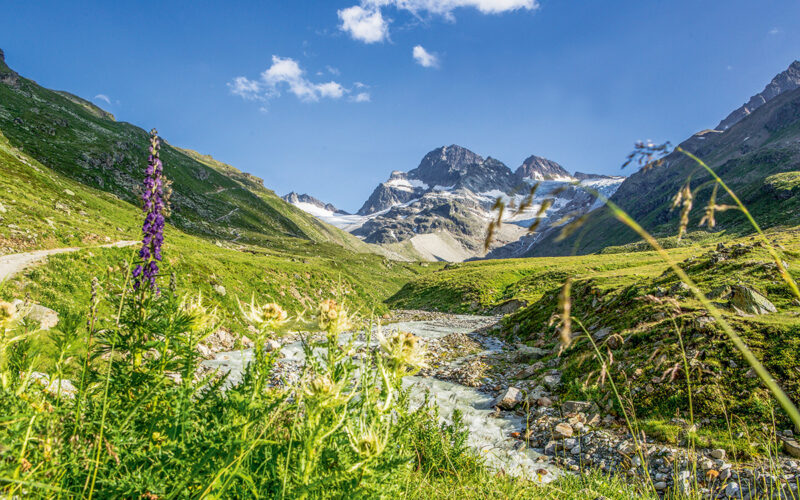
84 143
40 208
756 158
635 307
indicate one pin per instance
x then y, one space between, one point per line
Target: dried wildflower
153 227
543 208
684 198
403 352
564 307
648 154
332 317
367 441
573 226
262 317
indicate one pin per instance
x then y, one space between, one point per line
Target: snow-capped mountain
299 200
441 209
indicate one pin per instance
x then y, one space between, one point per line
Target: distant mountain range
440 210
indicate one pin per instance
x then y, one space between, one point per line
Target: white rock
220 290
509 399
47 318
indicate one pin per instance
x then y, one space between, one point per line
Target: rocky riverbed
518 423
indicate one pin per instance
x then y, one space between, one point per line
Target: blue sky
331 96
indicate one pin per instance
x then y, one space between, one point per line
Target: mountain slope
748 156
79 140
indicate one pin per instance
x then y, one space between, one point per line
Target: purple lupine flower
153 227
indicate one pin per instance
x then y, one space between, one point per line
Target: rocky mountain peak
2 56
541 169
299 199
443 166
783 82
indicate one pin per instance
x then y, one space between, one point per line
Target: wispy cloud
775 31
103 97
366 22
361 97
285 74
424 58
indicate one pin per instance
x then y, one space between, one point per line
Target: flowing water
489 434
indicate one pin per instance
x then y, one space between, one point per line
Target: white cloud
330 89
365 22
360 85
103 97
361 97
332 70
366 25
245 88
775 31
285 73
425 58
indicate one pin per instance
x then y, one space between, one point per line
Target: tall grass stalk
630 424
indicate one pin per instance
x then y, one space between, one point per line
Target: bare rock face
783 82
7 75
750 301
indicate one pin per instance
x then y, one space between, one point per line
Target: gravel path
15 263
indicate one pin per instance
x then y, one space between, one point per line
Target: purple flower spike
153 227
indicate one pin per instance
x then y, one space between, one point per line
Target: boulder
562 431
47 318
552 380
220 290
791 447
527 353
750 301
509 399
510 306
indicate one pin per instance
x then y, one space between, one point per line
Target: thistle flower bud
322 391
262 317
367 441
332 317
203 318
403 353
